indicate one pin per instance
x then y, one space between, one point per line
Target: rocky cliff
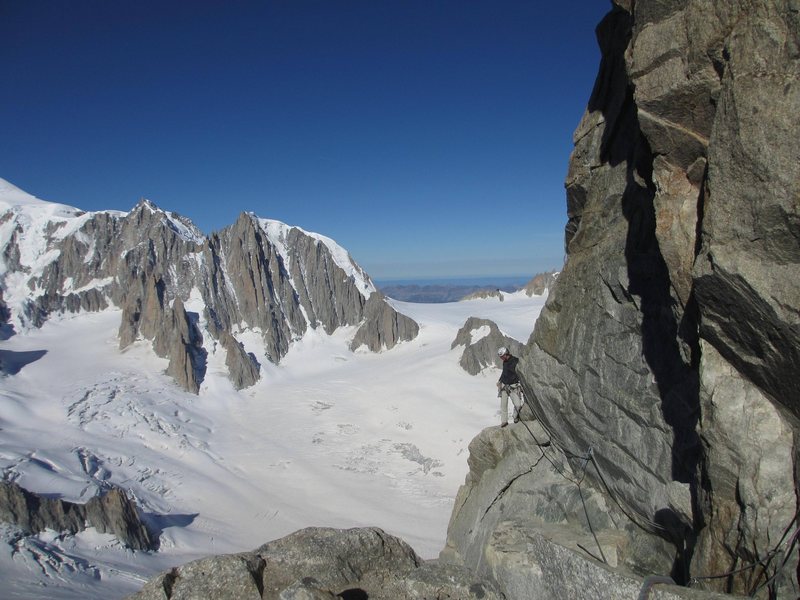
320 564
186 293
663 367
111 512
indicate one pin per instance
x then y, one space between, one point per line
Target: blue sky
428 137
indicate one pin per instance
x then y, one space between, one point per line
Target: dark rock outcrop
482 353
669 342
541 283
319 563
242 366
383 326
112 512
483 294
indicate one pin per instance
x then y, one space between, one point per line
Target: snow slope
328 438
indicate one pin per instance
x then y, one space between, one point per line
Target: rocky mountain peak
146 204
147 214
481 339
167 277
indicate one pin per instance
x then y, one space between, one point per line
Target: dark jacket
509 375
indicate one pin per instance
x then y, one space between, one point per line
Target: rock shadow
6 331
157 523
353 594
670 344
198 354
12 362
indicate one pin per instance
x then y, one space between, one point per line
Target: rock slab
319 563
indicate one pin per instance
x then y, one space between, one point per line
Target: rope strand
649 525
578 483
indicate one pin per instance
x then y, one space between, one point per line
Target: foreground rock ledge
317 563
522 521
355 564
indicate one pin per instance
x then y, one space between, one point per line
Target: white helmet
502 351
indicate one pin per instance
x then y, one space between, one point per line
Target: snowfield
327 438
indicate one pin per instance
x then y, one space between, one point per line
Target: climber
509 385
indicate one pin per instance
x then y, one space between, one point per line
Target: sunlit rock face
669 344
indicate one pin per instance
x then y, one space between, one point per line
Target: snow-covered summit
30 231
11 195
13 198
278 234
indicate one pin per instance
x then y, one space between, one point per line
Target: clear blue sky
428 137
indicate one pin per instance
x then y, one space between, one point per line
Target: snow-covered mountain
331 434
191 295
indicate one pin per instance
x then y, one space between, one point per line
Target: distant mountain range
177 287
437 292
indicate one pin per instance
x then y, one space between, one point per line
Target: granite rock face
147 314
185 293
242 366
319 563
668 346
530 518
112 512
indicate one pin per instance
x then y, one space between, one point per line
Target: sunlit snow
329 437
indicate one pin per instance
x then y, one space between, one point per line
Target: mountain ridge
254 274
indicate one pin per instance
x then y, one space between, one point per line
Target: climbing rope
645 523
764 561
577 483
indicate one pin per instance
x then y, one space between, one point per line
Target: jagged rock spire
179 289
